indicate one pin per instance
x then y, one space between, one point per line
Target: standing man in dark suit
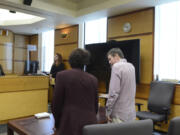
75 99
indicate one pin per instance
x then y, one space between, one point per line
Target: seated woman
1 71
57 65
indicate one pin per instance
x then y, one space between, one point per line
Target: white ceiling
62 13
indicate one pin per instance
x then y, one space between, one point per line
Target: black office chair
174 126
159 102
137 127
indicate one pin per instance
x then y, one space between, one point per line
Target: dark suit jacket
75 101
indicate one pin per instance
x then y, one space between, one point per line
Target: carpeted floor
3 129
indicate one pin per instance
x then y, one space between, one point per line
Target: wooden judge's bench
22 96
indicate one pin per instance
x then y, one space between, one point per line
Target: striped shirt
122 90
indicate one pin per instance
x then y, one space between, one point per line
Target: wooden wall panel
23 104
142 91
19 67
34 41
6 52
142 22
20 52
67 65
21 40
22 96
65 50
72 35
176 99
101 86
13 50
7 66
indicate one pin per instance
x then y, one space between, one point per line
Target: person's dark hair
115 51
60 60
78 58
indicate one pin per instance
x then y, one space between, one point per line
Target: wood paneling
34 41
67 65
101 86
20 53
21 41
176 99
6 52
7 66
23 83
65 50
18 67
72 35
142 22
22 96
142 91
21 104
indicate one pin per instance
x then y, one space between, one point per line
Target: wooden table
33 126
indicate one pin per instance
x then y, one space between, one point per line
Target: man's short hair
115 51
78 58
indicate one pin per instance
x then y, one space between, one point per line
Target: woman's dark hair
60 60
78 58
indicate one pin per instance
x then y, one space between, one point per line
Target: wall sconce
3 32
64 35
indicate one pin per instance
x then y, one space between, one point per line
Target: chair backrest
161 95
137 127
174 126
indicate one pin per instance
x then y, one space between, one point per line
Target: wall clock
127 27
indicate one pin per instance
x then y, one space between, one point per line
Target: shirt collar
123 60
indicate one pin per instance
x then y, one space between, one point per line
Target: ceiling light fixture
11 17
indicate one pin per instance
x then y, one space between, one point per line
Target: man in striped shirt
120 106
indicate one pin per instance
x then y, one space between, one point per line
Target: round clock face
127 27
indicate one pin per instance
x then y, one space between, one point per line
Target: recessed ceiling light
10 17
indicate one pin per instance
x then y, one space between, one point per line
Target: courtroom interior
147 31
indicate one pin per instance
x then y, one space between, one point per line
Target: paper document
102 95
42 115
